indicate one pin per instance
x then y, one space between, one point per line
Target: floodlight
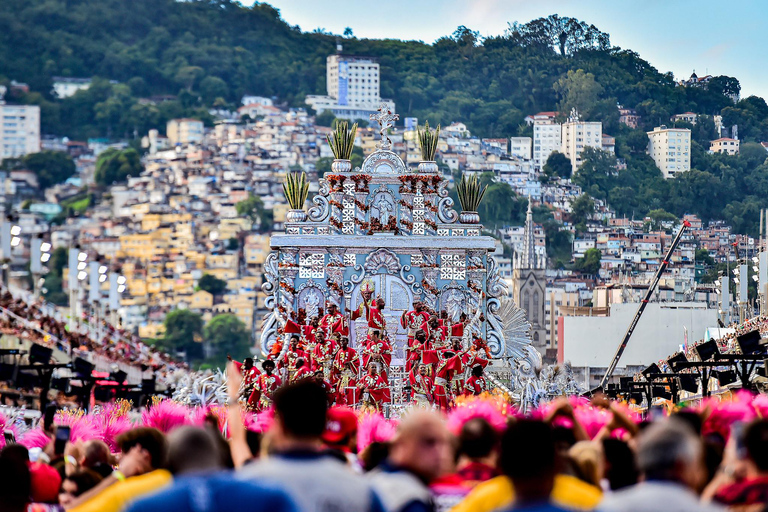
675 359
121 280
45 257
45 247
725 377
82 275
652 369
82 367
82 256
121 288
103 269
735 271
118 376
39 354
102 278
689 383
15 241
736 280
15 231
749 343
707 350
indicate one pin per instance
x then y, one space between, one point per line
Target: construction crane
643 303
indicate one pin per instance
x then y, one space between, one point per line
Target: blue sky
715 37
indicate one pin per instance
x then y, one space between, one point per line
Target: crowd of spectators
33 322
307 460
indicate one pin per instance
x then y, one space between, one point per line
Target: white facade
353 86
520 147
670 149
577 135
20 130
66 87
546 138
592 341
250 99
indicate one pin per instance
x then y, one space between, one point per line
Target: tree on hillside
582 209
212 284
253 208
659 217
597 172
213 87
325 118
590 263
557 166
183 333
578 90
226 334
51 167
116 165
565 35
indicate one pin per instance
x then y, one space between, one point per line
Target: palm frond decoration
428 142
470 193
342 140
296 189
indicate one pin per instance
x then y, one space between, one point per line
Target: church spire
528 258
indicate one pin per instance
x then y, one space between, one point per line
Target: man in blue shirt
316 480
199 484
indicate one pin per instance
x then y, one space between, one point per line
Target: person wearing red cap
341 429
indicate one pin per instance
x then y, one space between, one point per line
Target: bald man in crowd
418 452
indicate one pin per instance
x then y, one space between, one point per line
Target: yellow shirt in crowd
118 495
569 492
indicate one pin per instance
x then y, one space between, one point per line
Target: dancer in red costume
322 355
378 350
376 320
375 391
476 384
412 321
422 387
301 371
267 384
330 320
449 366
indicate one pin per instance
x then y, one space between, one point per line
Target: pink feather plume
374 428
166 416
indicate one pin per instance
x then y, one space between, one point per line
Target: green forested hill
173 58
204 51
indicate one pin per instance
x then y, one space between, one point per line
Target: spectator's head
478 441
422 445
192 450
620 464
528 459
587 456
756 444
15 485
76 484
144 450
94 453
300 415
670 451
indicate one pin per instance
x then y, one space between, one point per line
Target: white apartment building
577 135
520 147
670 149
546 137
184 131
20 130
353 87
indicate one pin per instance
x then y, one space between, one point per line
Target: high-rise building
577 135
184 131
670 149
19 130
546 137
353 86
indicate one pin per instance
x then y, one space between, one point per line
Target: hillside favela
412 256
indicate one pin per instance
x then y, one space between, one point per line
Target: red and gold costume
302 372
422 389
375 389
376 320
345 388
341 359
475 385
249 376
322 356
266 387
412 321
329 322
378 351
443 376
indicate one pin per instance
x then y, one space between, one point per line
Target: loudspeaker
749 343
